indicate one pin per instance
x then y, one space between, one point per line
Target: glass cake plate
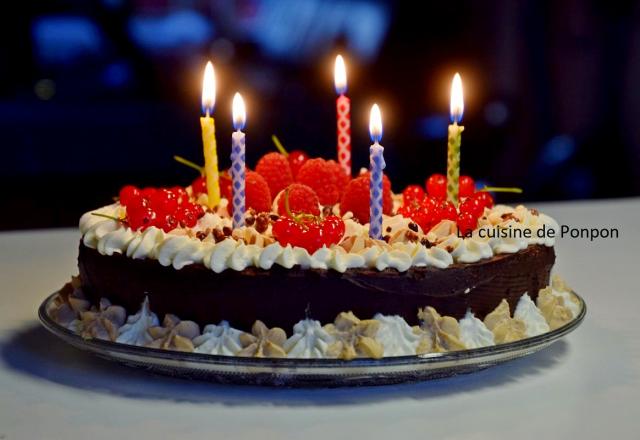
309 372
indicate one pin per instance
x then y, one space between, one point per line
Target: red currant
148 192
186 217
140 218
167 223
446 211
471 205
164 201
199 185
466 186
180 193
333 228
484 199
412 193
466 223
128 195
437 186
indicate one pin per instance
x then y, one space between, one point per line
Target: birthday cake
439 279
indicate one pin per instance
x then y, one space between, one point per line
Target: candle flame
375 124
340 76
208 90
457 102
239 112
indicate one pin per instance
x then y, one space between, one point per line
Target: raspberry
257 192
297 158
325 177
275 169
356 198
302 199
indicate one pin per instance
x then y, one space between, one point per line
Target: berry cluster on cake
443 277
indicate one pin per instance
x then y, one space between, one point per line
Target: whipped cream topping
135 330
309 340
396 336
473 332
247 247
221 339
527 312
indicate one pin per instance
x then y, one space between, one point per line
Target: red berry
356 198
412 193
163 201
168 223
128 194
148 192
406 211
333 229
325 177
180 193
199 185
446 211
302 199
310 235
140 217
186 217
275 169
226 183
466 223
285 230
257 192
425 218
437 186
466 187
471 205
297 158
484 198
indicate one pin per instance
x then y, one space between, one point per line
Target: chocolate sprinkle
262 222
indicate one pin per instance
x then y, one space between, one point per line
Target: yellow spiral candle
207 124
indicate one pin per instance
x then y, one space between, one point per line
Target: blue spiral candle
238 162
376 165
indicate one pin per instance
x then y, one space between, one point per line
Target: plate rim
97 346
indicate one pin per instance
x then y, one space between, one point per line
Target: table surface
585 386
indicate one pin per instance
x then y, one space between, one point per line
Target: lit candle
343 107
209 136
238 161
454 139
376 165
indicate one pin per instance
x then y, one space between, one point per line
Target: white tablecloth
585 386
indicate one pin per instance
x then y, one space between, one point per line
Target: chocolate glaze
281 297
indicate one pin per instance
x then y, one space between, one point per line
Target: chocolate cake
281 296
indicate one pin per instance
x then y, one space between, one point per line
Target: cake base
281 297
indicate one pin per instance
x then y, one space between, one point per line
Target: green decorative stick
279 145
190 164
501 189
453 162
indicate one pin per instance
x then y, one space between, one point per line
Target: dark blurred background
96 94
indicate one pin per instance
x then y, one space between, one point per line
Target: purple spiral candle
238 162
376 165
